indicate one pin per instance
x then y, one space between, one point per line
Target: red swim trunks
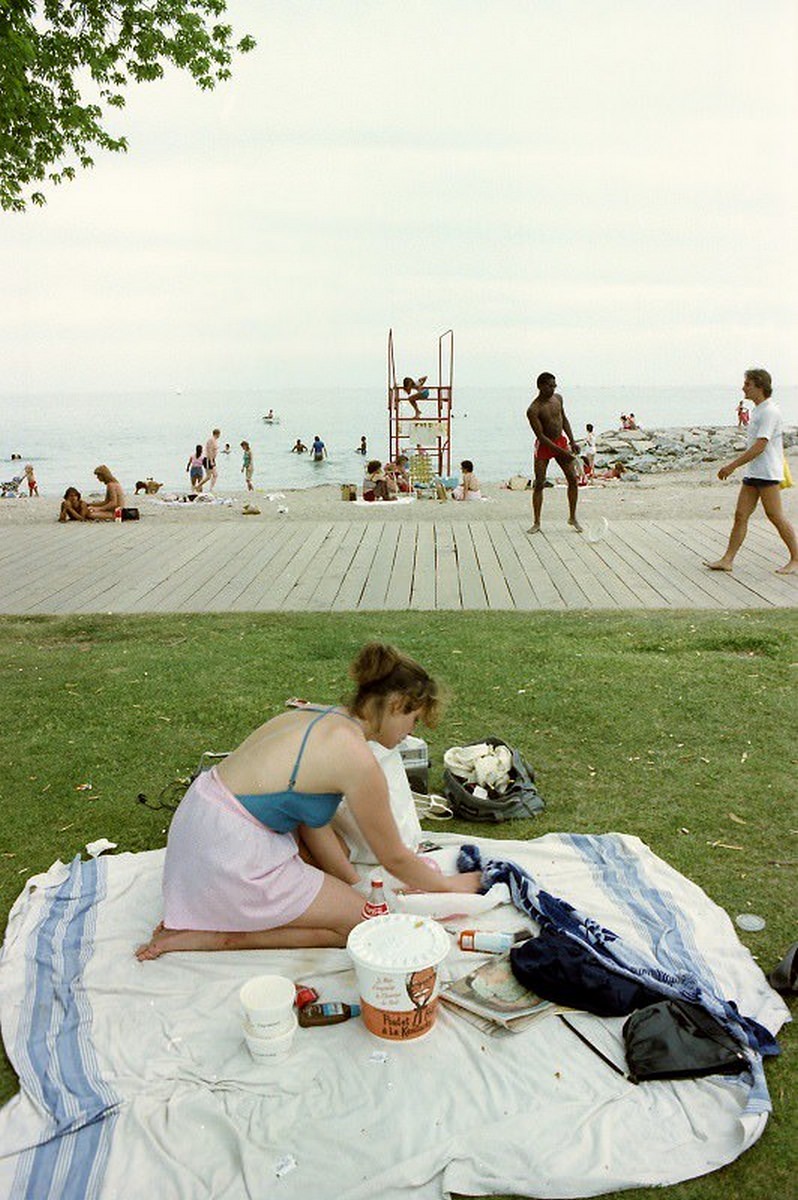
545 453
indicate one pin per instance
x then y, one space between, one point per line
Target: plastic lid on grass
750 922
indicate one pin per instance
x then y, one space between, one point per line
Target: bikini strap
320 713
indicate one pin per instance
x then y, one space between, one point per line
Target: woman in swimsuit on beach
252 862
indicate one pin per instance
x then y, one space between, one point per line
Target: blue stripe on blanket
654 913
54 1050
678 971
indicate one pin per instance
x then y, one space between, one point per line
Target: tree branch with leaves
63 63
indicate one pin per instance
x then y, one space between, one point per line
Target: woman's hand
469 881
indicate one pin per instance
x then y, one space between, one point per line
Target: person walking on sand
553 439
764 462
209 461
248 465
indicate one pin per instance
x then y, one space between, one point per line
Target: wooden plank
230 547
664 555
545 589
568 588
351 589
298 598
422 597
682 551
376 587
657 578
400 585
759 584
509 569
89 583
266 566
275 587
328 587
447 581
496 588
630 589
260 553
472 590
181 577
569 551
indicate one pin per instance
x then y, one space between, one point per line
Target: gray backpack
521 799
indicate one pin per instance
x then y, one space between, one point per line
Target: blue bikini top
283 811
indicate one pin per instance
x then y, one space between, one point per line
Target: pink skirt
227 872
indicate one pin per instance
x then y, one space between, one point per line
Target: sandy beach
695 492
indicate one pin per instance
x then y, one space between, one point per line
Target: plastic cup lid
750 922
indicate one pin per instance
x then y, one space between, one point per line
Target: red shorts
545 453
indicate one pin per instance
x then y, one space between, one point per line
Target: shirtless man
211 451
553 437
114 496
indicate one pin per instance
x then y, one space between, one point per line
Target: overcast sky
603 188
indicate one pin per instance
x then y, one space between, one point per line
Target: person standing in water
553 439
763 459
318 450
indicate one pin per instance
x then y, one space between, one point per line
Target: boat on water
271 419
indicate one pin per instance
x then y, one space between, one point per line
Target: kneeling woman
252 862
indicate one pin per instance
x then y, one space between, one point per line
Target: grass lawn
679 728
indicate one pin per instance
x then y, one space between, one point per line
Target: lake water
152 434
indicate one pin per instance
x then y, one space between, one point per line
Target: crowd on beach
420 472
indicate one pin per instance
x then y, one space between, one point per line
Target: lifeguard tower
428 437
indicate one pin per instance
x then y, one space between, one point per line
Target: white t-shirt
589 443
765 423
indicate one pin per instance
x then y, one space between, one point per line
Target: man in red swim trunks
554 439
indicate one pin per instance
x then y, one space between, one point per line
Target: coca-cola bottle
376 905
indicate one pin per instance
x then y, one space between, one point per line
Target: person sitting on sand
763 459
396 472
376 485
114 496
73 507
415 391
252 862
614 472
468 488
299 447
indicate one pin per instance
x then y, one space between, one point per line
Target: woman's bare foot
163 940
790 568
572 521
720 565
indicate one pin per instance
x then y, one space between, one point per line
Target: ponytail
381 671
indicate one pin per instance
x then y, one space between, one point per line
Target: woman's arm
367 797
328 853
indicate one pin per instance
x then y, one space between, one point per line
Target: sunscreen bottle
330 1013
489 941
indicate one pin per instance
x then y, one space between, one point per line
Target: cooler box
415 760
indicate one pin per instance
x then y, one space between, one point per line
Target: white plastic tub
396 960
268 1002
274 1047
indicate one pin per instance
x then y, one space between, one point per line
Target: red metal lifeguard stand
433 430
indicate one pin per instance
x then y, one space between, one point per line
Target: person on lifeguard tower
415 392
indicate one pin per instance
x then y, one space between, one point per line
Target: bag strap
595 1049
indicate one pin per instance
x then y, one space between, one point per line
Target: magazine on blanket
492 992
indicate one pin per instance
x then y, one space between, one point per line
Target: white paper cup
268 1003
270 1048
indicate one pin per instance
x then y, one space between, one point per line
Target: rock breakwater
648 451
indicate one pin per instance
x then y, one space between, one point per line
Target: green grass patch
678 728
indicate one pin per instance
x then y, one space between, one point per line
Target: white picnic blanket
137 1071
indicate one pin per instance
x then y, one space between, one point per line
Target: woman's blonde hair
104 474
381 672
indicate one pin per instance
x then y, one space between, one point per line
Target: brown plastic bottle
331 1013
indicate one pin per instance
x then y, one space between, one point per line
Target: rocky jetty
647 451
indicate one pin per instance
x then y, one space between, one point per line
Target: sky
601 188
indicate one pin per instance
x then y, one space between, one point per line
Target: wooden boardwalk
343 566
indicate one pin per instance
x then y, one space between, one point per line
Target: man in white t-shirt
764 462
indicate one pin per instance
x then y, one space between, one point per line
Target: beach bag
518 483
521 798
786 479
674 1039
564 971
348 491
130 514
